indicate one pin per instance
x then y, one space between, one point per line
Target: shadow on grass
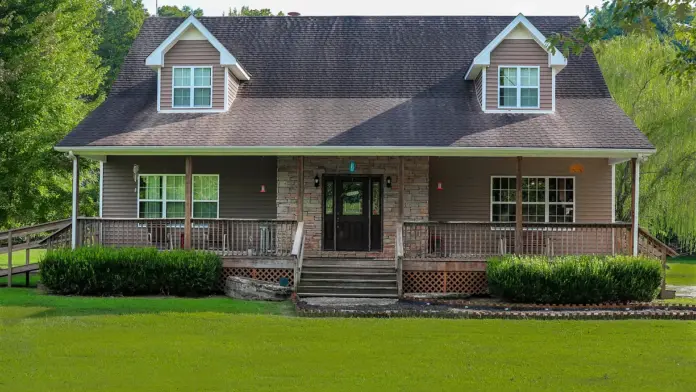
74 306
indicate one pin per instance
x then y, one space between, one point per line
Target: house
360 155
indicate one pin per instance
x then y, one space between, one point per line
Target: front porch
437 220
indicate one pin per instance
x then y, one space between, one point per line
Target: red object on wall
263 188
439 186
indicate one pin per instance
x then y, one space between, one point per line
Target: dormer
195 72
516 72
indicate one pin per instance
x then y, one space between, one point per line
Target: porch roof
356 82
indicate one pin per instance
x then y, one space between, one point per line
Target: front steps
357 278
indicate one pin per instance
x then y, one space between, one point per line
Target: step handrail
399 257
298 253
40 228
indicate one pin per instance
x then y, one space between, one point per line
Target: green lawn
682 272
19 257
158 344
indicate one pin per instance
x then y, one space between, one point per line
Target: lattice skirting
466 282
265 274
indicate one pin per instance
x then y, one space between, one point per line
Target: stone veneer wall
415 184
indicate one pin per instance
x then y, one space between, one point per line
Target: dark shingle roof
354 81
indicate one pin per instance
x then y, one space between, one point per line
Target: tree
672 17
185 11
119 22
49 80
662 107
246 11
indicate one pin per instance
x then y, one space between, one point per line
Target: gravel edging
463 309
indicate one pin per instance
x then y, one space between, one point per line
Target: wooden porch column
402 183
518 209
635 192
188 203
75 201
300 189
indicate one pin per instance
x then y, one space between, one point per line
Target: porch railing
229 237
480 240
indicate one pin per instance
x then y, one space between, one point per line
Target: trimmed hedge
130 271
574 279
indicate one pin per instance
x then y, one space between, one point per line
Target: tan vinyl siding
192 53
232 87
520 52
240 183
478 86
467 185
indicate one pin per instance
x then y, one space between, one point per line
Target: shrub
130 271
574 279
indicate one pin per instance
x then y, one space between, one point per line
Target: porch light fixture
439 186
316 181
388 182
136 170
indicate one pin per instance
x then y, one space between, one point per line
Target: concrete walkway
683 291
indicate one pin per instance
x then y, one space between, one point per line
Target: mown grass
147 344
682 271
19 257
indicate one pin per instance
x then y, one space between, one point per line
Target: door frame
370 178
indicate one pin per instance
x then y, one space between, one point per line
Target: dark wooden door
352 214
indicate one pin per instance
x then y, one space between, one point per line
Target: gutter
103 151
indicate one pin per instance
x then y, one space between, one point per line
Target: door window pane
376 198
329 197
352 198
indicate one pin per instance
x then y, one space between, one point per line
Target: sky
380 7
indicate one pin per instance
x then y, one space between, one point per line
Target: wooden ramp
21 269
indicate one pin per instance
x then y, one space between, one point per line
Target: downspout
75 198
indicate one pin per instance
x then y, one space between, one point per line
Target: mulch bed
491 309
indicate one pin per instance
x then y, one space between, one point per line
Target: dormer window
193 87
518 87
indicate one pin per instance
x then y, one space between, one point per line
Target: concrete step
354 295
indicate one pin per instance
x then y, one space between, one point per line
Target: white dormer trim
556 60
156 58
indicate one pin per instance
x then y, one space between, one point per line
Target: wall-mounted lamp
388 182
439 186
136 170
316 181
263 189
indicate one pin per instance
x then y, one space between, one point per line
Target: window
544 199
518 87
192 87
164 196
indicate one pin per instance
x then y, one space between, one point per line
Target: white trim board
156 58
483 59
360 151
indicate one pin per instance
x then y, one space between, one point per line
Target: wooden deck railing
229 237
480 240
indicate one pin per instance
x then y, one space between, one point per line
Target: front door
352 213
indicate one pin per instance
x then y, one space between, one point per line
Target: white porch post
635 198
75 199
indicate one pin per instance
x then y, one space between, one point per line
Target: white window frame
519 87
164 194
546 201
192 87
